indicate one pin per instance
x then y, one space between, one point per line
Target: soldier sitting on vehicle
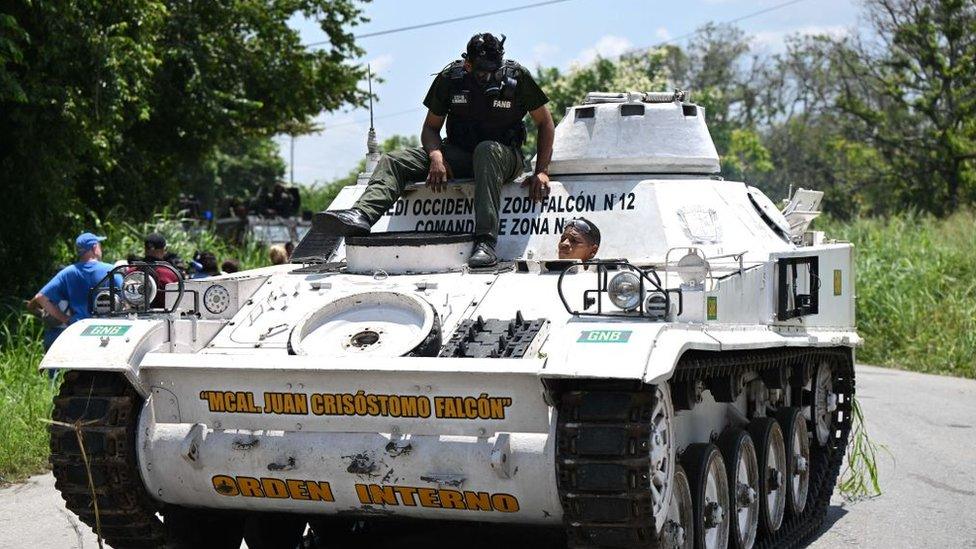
580 240
484 99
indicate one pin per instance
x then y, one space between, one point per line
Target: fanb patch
499 104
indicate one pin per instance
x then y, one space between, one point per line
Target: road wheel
771 458
797 441
739 454
710 495
824 402
679 523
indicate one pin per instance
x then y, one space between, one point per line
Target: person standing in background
72 284
155 248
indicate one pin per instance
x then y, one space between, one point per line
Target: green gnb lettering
604 336
106 330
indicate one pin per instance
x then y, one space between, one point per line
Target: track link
603 467
603 460
107 407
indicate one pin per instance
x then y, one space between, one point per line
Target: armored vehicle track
107 407
604 457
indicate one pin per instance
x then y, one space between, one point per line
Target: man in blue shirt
72 284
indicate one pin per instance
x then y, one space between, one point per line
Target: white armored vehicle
690 387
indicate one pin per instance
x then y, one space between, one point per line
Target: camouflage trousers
491 165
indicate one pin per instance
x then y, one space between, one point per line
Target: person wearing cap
580 240
483 99
71 284
155 249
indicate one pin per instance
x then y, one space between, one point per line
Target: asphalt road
928 424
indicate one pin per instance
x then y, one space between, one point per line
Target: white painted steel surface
213 378
408 258
387 324
604 138
437 462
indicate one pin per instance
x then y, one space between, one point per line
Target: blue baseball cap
86 241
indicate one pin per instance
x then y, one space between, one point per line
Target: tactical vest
474 117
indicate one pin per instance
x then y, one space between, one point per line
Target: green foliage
883 121
860 479
239 168
126 104
26 398
745 154
916 288
907 89
183 237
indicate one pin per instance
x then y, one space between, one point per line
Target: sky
575 31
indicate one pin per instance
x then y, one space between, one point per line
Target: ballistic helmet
485 51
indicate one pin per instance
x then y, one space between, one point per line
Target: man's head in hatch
580 240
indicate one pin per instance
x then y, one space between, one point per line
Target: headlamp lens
624 290
133 291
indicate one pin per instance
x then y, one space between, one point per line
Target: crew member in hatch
484 98
580 240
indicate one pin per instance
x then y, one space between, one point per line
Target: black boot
351 222
483 255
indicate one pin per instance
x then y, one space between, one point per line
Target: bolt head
774 479
745 495
714 514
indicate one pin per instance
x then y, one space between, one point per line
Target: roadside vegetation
25 398
916 291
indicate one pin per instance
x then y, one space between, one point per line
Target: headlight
133 291
692 269
625 291
104 302
656 306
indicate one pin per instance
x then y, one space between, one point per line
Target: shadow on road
834 513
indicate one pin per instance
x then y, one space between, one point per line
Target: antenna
372 148
369 77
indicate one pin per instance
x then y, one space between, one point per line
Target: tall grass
860 479
916 291
26 397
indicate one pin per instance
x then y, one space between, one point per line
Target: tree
908 90
113 108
